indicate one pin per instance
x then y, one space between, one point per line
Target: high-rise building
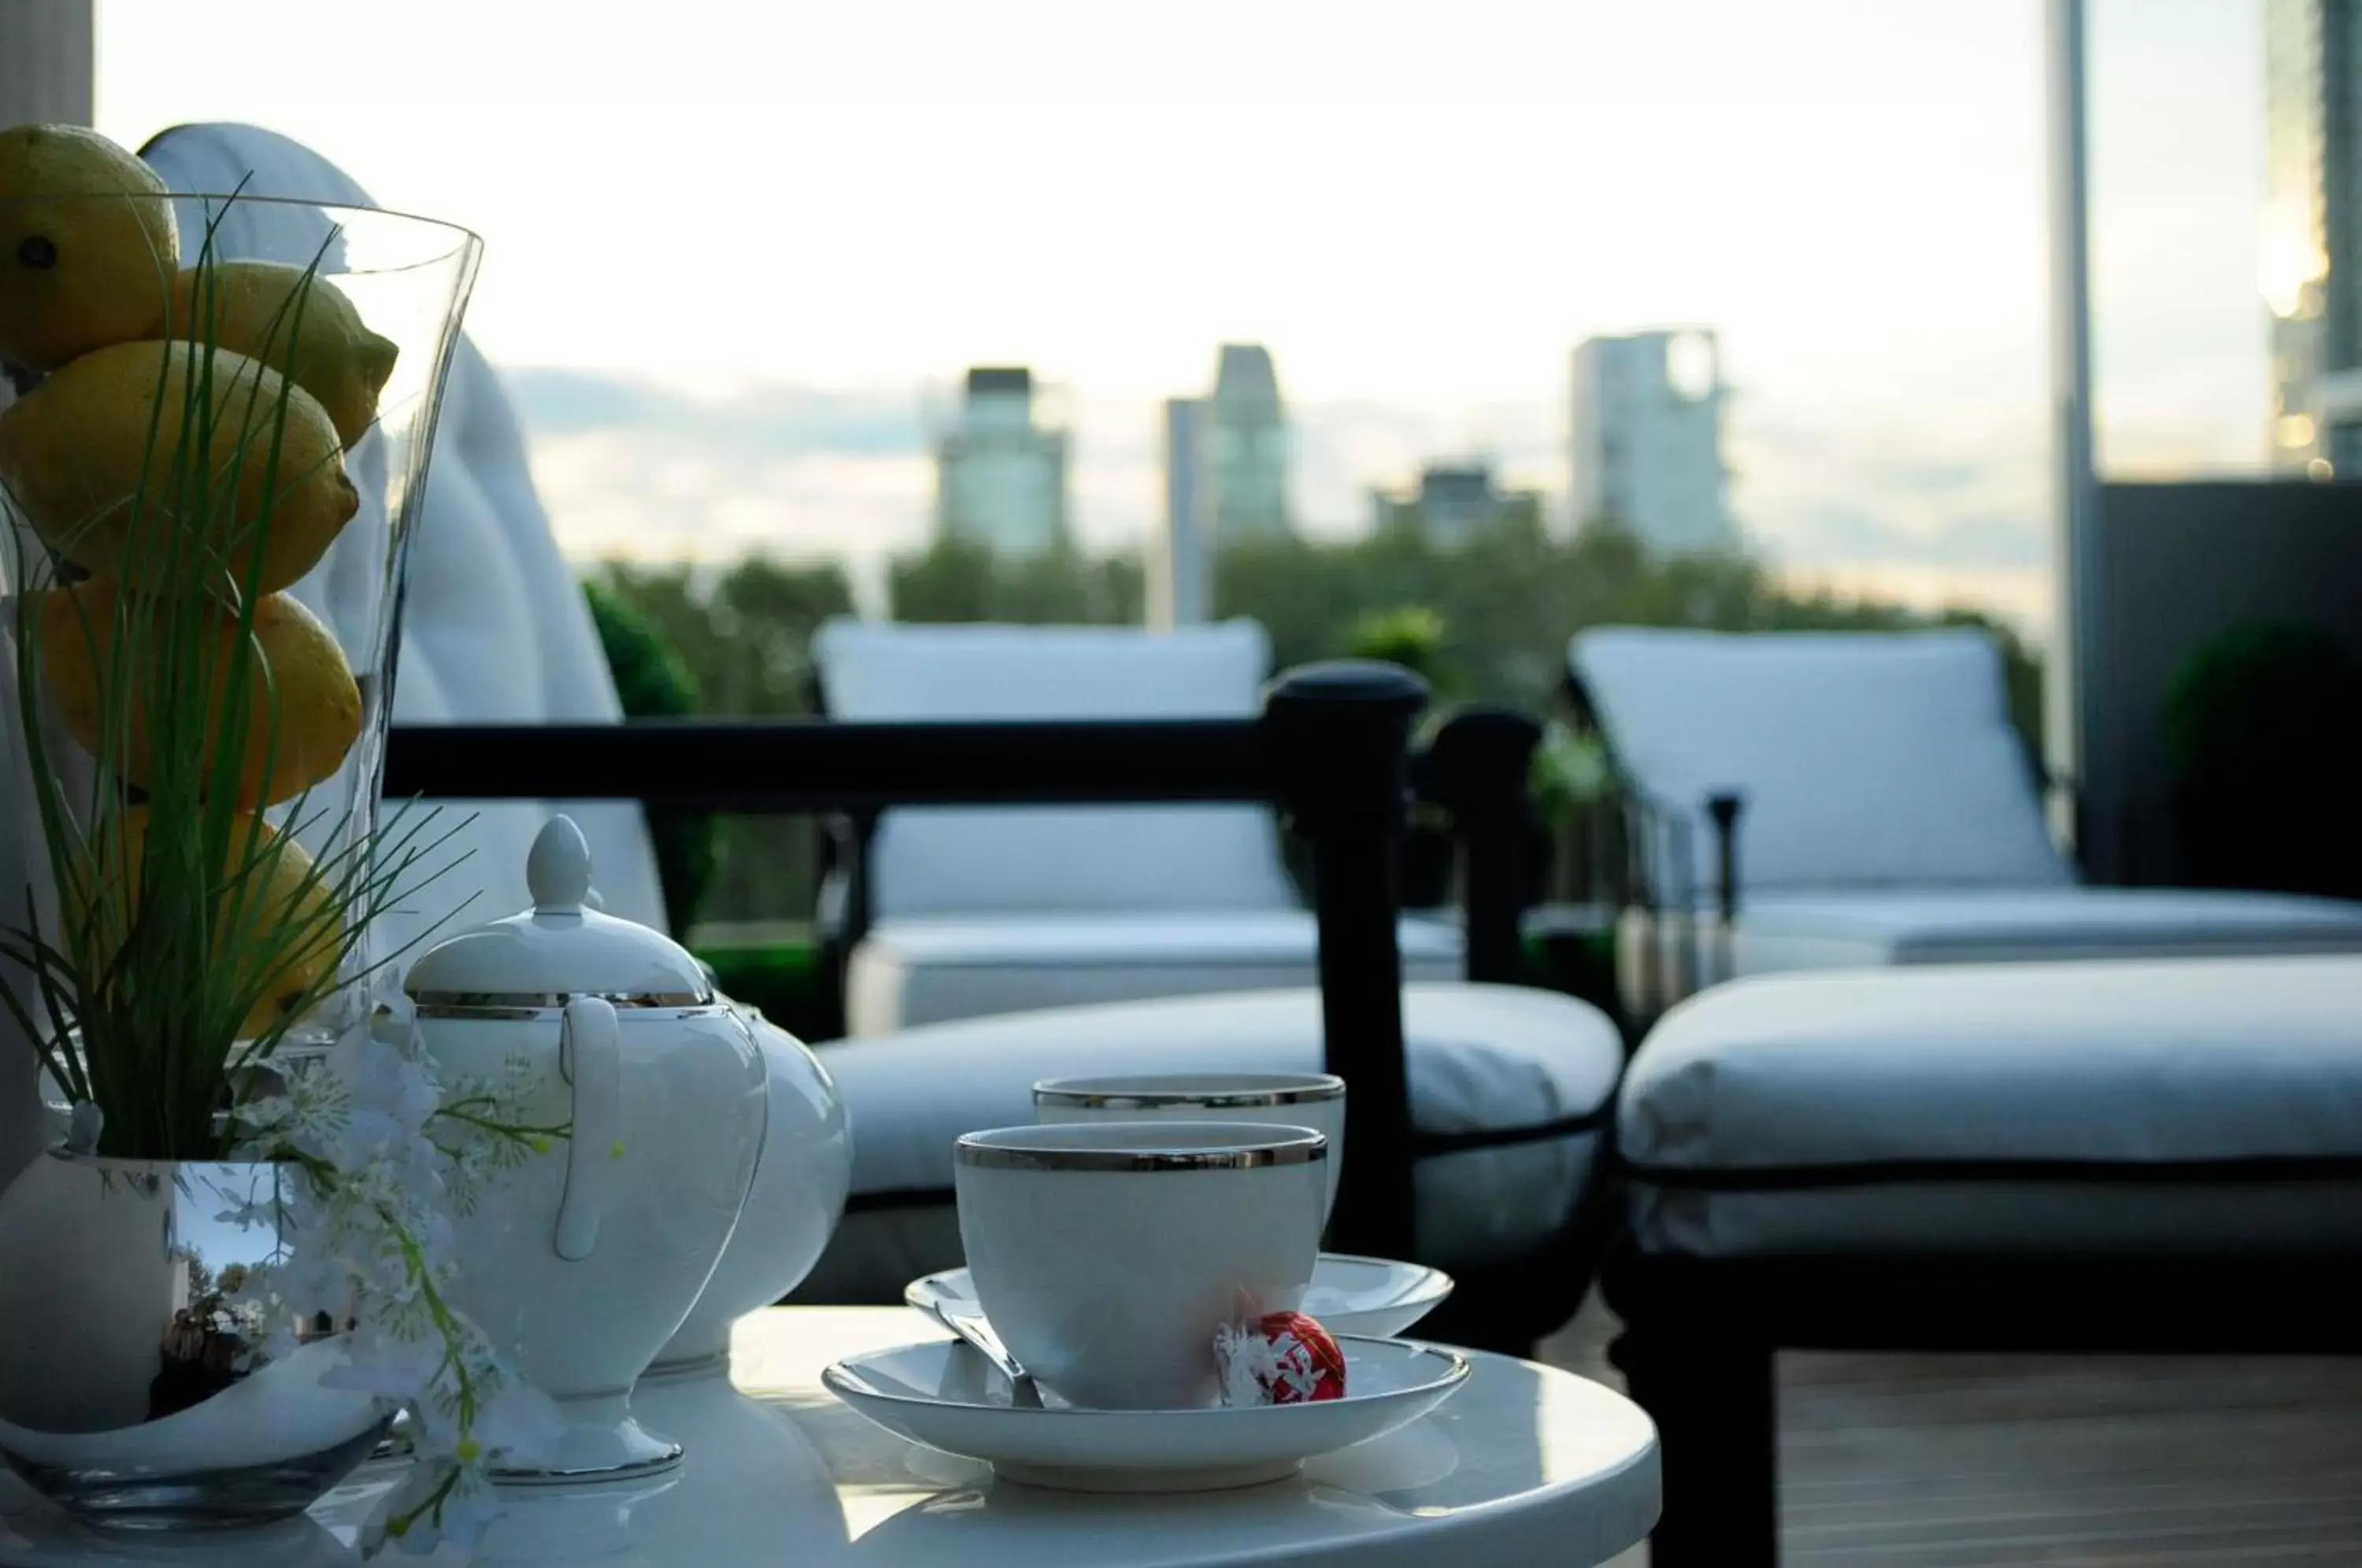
1000 475
1453 504
1245 447
1226 465
2310 257
1180 561
1647 442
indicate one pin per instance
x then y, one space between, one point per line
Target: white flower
434 1509
383 1155
520 1425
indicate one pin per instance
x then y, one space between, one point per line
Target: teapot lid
561 949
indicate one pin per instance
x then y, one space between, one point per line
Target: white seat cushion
1482 1060
1881 760
1875 928
2208 1107
920 971
937 861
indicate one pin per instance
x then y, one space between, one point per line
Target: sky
739 252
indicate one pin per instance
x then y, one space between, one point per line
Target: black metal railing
1330 750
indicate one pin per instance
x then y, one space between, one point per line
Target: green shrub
1410 636
653 683
2263 725
783 979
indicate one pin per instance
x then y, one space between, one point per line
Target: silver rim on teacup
510 1005
1099 1147
1162 1091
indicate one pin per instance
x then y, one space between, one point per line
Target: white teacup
1106 1255
1279 1099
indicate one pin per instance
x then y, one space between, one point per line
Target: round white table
1525 1467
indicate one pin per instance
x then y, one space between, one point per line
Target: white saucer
1348 1294
945 1395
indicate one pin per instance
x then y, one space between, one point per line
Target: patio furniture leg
1717 1414
1340 733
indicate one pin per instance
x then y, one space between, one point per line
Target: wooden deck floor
1982 1462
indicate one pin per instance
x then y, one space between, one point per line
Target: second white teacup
1107 1255
1280 1100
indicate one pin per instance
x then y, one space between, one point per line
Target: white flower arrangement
388 1154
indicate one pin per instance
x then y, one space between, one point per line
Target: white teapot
793 1207
582 1263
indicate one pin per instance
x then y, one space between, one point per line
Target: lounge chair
1815 800
946 914
2081 1158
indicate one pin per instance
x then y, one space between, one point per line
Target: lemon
297 322
88 261
170 467
302 706
274 921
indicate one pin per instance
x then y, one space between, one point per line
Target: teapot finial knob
557 871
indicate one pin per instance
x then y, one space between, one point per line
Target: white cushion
1864 760
963 861
494 627
1875 928
2206 1107
918 971
1481 1058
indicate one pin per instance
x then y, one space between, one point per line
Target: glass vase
138 1394
407 280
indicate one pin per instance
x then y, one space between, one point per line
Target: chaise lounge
1821 800
2155 1155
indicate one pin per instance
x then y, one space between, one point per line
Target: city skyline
1644 447
1850 191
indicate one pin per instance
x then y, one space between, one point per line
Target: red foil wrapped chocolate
1281 1358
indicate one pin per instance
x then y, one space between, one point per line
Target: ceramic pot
793 1207
582 1263
131 1395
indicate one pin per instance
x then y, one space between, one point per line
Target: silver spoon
1023 1392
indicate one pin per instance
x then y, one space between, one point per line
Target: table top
1524 1465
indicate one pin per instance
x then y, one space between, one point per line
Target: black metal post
1716 1405
1478 768
1724 808
1339 736
1681 959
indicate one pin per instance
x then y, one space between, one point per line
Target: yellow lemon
275 923
88 246
178 469
298 324
302 707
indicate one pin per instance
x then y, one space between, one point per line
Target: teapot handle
590 1057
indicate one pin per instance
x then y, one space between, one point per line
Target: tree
1410 636
744 637
1489 619
652 683
955 580
1510 600
744 634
